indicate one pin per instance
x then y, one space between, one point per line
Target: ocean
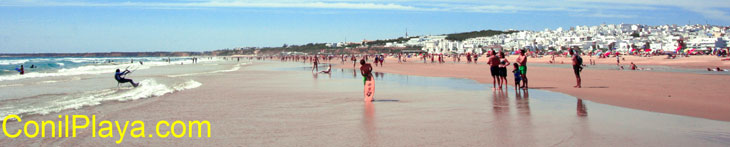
59 83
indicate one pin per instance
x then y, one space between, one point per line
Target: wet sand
283 104
690 94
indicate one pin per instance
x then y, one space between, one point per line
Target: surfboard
369 90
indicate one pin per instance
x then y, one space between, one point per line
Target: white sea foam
48 82
82 70
13 62
55 103
10 85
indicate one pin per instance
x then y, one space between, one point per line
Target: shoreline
687 94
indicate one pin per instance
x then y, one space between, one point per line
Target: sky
78 26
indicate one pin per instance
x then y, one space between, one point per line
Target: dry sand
692 62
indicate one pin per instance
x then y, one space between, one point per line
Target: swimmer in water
21 70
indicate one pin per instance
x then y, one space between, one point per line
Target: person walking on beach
577 62
315 62
366 70
354 60
493 62
476 57
522 61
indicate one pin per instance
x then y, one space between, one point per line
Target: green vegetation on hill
474 34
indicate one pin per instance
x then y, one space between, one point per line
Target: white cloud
708 8
604 15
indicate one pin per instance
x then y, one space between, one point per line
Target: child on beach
516 72
329 69
633 66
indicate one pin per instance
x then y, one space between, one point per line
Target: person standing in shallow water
315 62
366 70
21 70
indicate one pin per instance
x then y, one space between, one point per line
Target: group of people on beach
498 64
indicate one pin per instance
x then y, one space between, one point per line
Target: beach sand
691 94
283 104
693 62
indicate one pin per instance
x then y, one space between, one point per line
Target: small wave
54 103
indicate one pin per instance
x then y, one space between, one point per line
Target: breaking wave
50 103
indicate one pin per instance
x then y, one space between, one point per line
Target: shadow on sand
542 87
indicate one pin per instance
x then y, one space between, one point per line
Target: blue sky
40 26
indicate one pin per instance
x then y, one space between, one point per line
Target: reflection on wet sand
524 118
502 121
584 127
543 119
379 75
582 108
369 124
354 73
522 102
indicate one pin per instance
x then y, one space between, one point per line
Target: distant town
605 37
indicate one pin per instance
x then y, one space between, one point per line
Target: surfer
119 76
367 74
20 70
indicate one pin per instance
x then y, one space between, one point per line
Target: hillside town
606 37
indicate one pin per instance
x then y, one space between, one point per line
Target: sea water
60 83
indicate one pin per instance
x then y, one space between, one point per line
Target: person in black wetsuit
119 76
